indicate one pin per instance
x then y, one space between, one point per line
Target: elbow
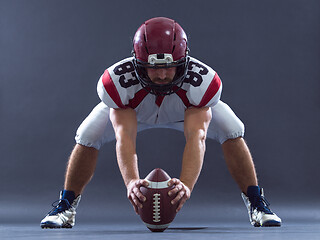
196 135
124 137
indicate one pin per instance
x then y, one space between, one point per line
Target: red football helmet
160 43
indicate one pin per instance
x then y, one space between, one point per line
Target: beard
161 81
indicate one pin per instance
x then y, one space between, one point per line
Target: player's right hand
134 194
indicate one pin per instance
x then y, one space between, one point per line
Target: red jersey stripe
111 89
137 99
159 100
211 91
183 96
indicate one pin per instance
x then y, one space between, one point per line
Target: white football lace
156 207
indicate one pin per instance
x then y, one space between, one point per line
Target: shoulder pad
202 84
118 84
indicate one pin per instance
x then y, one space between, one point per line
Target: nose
162 73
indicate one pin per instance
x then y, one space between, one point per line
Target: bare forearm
196 123
127 160
124 122
192 160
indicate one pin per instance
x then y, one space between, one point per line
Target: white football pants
97 129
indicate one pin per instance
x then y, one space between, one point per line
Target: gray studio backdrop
53 52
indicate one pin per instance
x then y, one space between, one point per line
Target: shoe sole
271 224
54 226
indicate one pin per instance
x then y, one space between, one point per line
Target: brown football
157 212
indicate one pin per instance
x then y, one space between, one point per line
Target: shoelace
63 204
261 204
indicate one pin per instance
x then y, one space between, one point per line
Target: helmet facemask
157 61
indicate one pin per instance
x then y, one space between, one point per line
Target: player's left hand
181 191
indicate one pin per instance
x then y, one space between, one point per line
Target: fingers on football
174 191
145 183
183 200
135 198
141 182
173 181
133 204
179 196
139 194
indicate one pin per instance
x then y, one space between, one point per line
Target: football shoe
63 214
259 212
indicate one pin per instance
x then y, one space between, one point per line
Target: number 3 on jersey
195 73
127 75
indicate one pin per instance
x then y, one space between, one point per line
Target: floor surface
195 221
185 231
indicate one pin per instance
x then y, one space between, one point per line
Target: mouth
162 81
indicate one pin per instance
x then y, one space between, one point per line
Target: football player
160 86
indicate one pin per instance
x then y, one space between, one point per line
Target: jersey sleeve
206 94
108 92
117 85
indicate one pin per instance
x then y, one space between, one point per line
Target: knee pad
224 124
233 131
96 129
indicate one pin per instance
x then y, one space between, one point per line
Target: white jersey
118 87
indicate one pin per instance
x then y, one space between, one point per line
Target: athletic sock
69 195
